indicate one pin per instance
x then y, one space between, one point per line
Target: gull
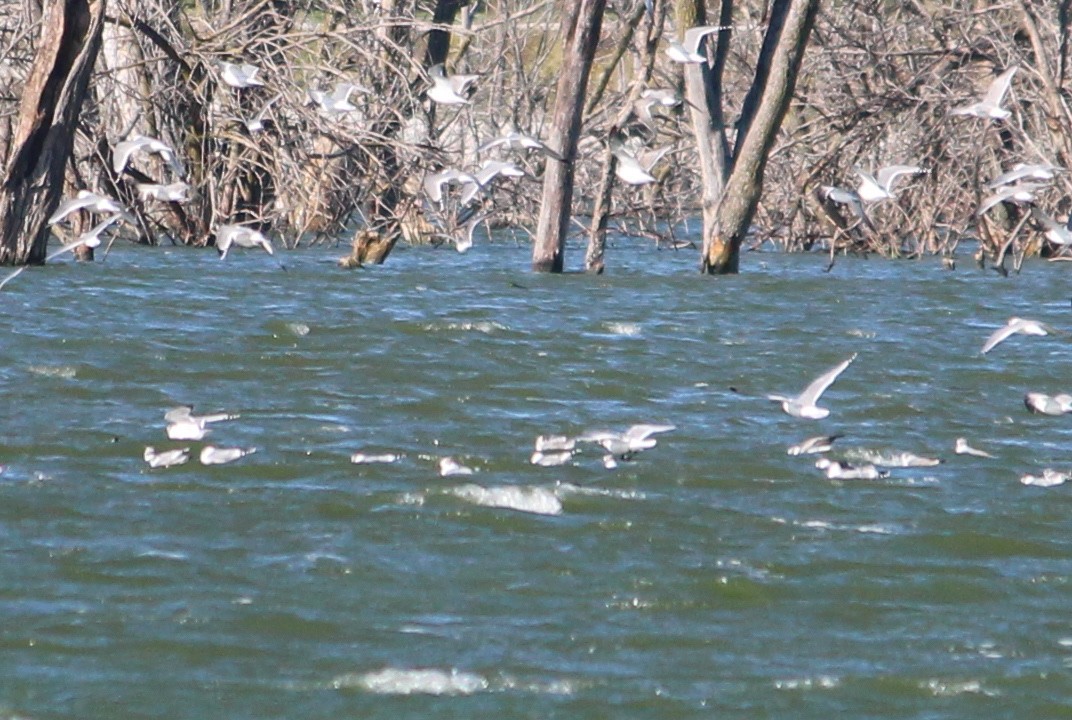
1055 232
463 242
256 123
167 458
90 239
516 141
338 100
212 455
1015 326
360 458
172 192
629 168
990 104
228 235
555 443
240 76
186 412
490 170
449 466
1021 193
651 97
142 143
88 201
448 89
635 439
688 50
551 458
433 184
1043 404
874 188
843 471
813 445
803 405
963 448
187 429
1020 171
1049 478
844 196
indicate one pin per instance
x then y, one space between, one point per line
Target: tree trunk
44 135
761 117
581 23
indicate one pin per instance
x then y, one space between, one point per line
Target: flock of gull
1019 185
614 447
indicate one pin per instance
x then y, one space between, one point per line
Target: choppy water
712 576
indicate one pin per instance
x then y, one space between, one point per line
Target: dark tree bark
44 135
733 178
581 24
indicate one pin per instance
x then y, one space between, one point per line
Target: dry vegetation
878 81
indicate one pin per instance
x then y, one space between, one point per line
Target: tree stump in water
369 246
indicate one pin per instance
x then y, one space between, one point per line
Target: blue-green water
712 576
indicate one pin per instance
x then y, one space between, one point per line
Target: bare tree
44 134
581 26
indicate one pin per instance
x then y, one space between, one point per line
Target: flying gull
803 405
990 104
1015 326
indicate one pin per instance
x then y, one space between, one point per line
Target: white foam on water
566 488
822 682
483 326
404 681
623 328
875 529
536 500
299 329
942 688
61 371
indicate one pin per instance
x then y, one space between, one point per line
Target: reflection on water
713 571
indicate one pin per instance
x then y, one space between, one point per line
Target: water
712 576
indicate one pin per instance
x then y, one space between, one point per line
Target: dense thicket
876 86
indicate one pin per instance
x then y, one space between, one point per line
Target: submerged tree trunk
581 25
44 135
733 180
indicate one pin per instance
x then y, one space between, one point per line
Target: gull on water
240 75
142 143
835 470
803 405
256 123
449 466
961 447
166 458
1043 404
688 50
182 424
172 192
1021 193
212 455
1049 478
551 458
880 187
1014 326
88 201
622 445
813 445
449 89
1021 171
990 104
360 458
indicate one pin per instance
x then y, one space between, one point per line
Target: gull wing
643 431
996 92
694 35
122 152
1007 193
818 386
69 206
1001 334
887 175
